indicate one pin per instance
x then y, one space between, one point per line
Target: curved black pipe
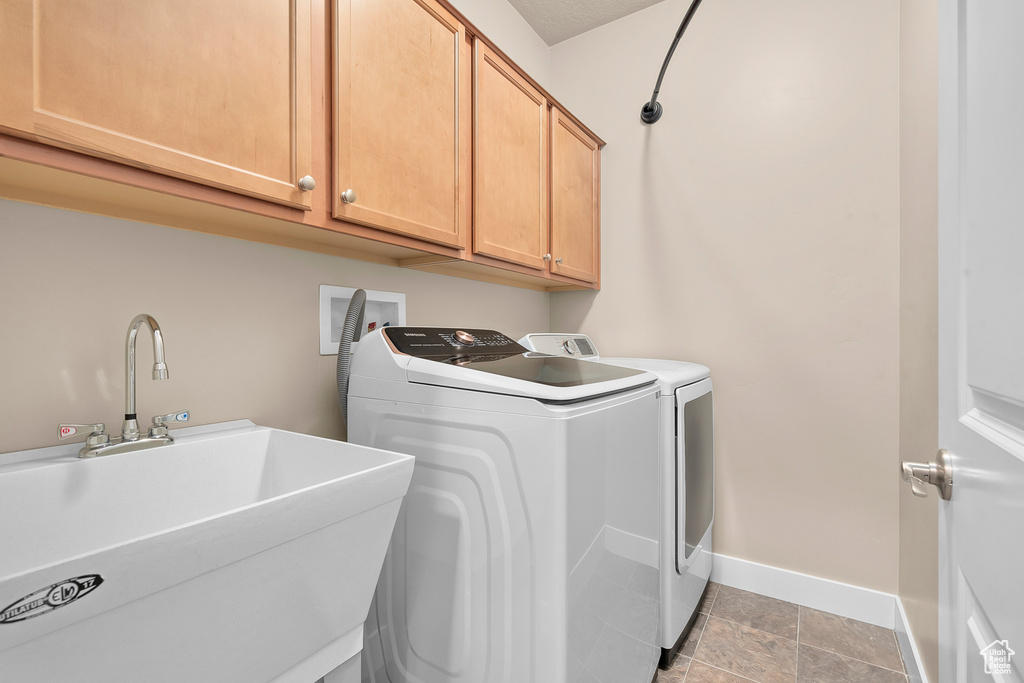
651 111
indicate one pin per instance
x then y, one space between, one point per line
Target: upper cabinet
213 92
510 164
390 130
402 107
575 200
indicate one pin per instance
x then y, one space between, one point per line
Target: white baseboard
854 602
908 647
862 604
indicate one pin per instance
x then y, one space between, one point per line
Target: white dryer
526 550
687 476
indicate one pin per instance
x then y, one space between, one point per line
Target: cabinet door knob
307 183
348 196
547 257
558 260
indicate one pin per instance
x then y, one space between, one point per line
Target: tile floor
741 637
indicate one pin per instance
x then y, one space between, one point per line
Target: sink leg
347 672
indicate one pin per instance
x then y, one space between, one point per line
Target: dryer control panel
573 345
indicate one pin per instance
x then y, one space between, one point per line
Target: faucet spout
130 427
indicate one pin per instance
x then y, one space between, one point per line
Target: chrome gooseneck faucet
130 427
98 442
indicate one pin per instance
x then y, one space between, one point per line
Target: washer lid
486 360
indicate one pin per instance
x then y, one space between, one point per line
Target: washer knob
464 338
570 346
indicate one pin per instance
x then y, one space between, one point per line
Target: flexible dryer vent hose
349 333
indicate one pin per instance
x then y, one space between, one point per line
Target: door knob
348 197
939 474
307 183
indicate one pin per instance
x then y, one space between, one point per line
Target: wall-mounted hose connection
349 333
651 111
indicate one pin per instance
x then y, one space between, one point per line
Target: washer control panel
442 342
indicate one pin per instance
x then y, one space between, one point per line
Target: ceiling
558 20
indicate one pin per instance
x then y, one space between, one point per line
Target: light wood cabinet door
215 92
510 155
402 117
575 200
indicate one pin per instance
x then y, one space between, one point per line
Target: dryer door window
695 468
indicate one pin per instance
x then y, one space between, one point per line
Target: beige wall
241 319
241 322
502 24
919 525
755 229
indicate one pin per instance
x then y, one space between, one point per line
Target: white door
981 338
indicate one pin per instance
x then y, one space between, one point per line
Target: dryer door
695 470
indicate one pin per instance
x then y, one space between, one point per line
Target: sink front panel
249 621
241 551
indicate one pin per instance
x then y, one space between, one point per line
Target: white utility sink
237 553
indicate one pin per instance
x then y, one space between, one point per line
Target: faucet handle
159 426
180 416
97 432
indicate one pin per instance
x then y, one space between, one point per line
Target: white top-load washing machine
526 550
686 434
